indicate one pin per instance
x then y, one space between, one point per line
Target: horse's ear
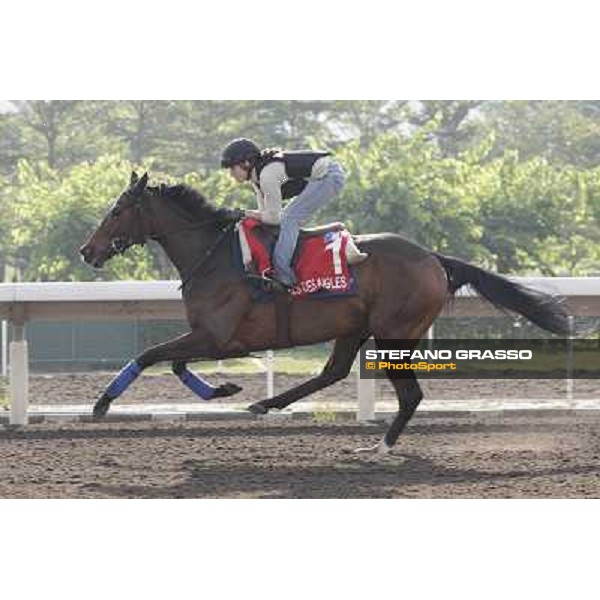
134 179
140 186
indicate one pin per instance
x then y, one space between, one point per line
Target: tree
49 120
54 214
511 186
402 184
60 132
455 123
562 132
12 146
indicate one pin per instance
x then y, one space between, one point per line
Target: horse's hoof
227 389
101 407
258 409
380 448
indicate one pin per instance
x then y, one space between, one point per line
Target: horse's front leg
201 387
179 350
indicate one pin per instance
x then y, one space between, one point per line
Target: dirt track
541 455
81 388
535 455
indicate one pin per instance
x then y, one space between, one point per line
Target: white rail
22 302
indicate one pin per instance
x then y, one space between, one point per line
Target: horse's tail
545 310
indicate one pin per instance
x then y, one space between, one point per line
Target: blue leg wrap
123 380
197 385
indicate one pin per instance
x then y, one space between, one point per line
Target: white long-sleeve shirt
268 188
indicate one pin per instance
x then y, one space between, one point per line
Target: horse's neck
187 247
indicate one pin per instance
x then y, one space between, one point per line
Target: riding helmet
237 151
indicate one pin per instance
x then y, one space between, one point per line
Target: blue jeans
313 197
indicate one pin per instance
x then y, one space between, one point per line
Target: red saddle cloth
320 261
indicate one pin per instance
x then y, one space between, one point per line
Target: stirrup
270 283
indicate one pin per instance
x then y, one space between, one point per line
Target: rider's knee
338 178
289 220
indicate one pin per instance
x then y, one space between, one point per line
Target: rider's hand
254 214
237 214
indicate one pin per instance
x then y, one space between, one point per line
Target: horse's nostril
85 251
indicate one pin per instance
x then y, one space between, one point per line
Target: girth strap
282 319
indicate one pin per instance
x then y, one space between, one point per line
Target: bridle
139 234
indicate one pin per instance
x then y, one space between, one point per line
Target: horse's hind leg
409 395
338 366
199 386
427 295
179 350
407 390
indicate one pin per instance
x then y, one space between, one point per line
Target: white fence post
366 396
430 337
569 380
4 348
19 377
270 359
219 371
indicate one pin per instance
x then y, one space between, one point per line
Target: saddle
321 263
321 259
267 234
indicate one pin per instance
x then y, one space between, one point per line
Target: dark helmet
237 151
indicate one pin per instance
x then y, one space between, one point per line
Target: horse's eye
115 212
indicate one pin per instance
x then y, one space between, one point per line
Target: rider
276 175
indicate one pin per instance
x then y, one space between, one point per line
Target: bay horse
401 289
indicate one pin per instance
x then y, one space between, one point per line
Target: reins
203 259
139 236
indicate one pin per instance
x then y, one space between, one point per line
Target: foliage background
513 186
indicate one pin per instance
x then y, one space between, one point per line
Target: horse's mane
192 202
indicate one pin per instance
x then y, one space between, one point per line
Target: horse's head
122 227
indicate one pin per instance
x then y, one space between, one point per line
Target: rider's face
240 172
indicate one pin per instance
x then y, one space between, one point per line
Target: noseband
137 235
